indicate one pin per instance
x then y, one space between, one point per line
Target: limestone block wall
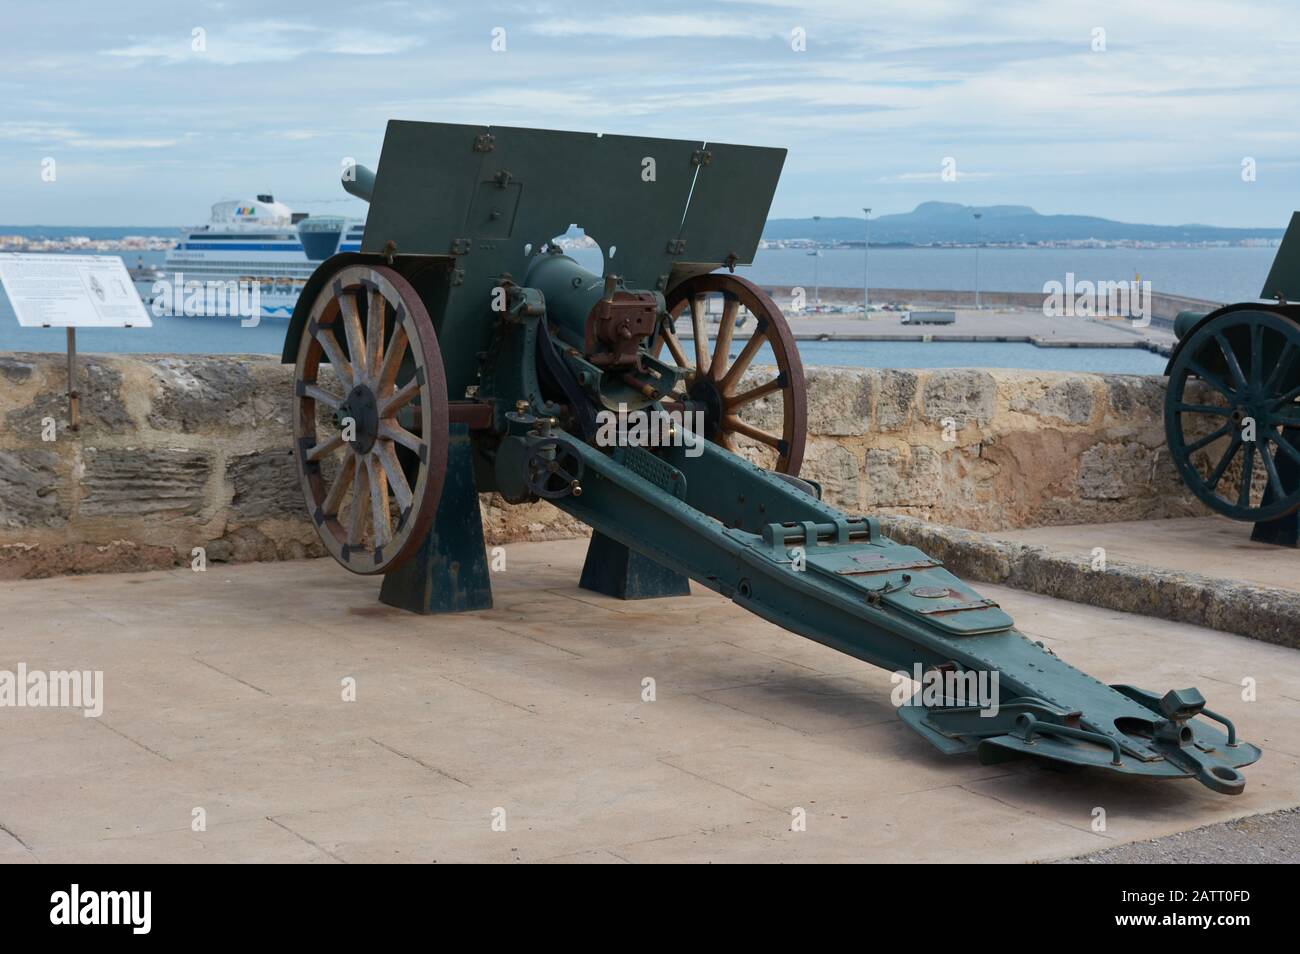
989 450
181 452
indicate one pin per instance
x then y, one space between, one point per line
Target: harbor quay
1004 317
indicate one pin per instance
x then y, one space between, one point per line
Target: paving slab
306 722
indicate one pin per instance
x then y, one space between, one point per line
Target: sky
1163 111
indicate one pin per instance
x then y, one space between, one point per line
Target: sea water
1218 274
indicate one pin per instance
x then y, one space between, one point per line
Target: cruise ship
260 241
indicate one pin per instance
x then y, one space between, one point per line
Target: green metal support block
449 573
614 570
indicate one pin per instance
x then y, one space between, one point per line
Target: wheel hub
707 398
1253 407
362 406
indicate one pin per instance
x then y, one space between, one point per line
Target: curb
1268 614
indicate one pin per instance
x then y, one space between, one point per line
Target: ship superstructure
260 241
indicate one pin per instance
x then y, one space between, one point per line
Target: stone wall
989 450
180 452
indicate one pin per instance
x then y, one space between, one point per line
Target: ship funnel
359 181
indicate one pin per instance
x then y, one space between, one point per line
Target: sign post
74 411
71 292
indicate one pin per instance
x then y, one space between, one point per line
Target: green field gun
1232 408
462 350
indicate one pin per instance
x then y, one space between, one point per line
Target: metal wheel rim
1269 392
726 375
375 313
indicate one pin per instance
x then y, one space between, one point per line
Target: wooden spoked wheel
716 384
1232 413
370 438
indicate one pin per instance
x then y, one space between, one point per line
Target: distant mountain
950 222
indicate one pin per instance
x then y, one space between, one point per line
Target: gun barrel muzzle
1184 321
359 181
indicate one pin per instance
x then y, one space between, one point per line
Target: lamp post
817 285
978 216
816 254
866 254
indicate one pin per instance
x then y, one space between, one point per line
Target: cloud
270 41
52 134
661 26
881 94
935 176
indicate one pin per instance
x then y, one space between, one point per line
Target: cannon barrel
359 181
1184 321
570 292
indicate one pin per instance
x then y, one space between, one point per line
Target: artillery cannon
1232 408
462 351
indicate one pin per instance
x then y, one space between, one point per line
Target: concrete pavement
224 702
